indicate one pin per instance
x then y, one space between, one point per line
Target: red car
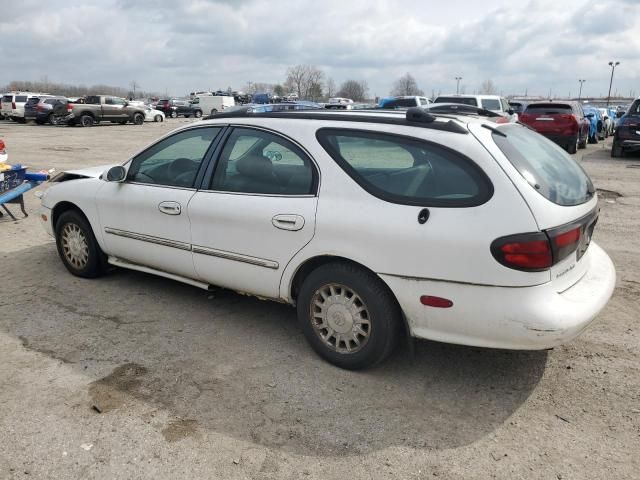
562 122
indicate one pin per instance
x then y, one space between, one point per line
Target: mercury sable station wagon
449 227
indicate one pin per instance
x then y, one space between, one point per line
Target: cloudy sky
532 46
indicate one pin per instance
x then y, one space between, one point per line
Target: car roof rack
414 117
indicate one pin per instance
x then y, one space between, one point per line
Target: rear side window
21 98
549 109
407 170
32 101
92 100
491 104
463 100
400 103
545 166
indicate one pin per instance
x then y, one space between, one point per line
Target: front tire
77 246
348 315
197 114
173 114
573 146
138 119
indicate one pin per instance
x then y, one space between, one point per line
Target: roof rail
415 117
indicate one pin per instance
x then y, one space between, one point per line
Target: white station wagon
448 228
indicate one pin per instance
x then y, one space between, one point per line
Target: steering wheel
182 171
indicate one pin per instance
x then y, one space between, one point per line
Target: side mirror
115 174
511 111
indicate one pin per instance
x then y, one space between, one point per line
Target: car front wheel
348 315
138 119
77 246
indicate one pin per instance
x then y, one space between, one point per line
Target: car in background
482 231
178 108
403 102
495 103
42 109
349 106
608 116
153 115
12 105
518 106
626 137
562 122
464 109
4 156
210 104
340 100
271 107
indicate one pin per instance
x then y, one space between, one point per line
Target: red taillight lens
567 238
13 105
39 108
530 252
2 147
69 107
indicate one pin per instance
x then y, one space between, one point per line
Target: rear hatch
628 127
18 103
551 119
6 104
559 194
30 108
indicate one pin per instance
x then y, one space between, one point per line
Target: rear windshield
21 98
7 98
32 101
549 108
92 100
546 166
491 104
400 102
405 170
463 100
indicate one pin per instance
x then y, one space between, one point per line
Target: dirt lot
192 384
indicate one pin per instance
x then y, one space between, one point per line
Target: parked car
464 109
340 100
211 104
98 108
626 137
608 116
272 107
495 103
403 102
452 228
12 105
153 115
179 108
42 109
562 122
518 106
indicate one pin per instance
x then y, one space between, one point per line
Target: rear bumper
524 318
562 140
630 145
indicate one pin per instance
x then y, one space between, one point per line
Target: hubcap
75 246
340 318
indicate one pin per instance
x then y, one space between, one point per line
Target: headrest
254 166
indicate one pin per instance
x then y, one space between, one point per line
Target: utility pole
582 80
613 69
458 84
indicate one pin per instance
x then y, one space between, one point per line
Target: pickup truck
97 108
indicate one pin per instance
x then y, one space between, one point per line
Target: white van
210 104
495 103
12 105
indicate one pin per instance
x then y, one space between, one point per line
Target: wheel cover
340 318
75 246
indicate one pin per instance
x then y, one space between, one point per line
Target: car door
144 219
255 214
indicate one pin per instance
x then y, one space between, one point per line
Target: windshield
549 108
463 100
400 102
545 166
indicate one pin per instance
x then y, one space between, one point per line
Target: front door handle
288 222
170 208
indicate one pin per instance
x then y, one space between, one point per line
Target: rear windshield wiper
494 130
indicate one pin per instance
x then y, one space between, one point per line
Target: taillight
530 252
13 105
69 107
2 147
629 122
39 108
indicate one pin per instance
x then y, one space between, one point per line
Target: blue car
596 131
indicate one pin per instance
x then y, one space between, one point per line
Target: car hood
92 172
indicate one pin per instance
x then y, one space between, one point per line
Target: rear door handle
170 208
288 222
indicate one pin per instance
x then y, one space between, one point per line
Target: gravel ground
133 376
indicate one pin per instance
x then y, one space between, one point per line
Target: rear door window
545 166
21 98
407 170
491 104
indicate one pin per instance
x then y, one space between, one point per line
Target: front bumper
522 318
45 218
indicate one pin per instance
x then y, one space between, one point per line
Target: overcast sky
181 46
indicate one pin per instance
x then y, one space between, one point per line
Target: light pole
580 94
613 69
458 84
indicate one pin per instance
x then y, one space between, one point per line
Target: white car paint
449 256
153 115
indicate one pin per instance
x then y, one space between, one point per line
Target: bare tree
315 92
300 79
354 89
134 86
488 87
330 88
406 85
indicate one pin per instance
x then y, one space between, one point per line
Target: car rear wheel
138 119
616 150
573 146
214 111
52 119
86 121
77 246
348 315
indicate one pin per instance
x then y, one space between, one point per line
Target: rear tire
573 146
86 121
197 114
77 246
173 114
616 150
52 119
348 315
157 118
